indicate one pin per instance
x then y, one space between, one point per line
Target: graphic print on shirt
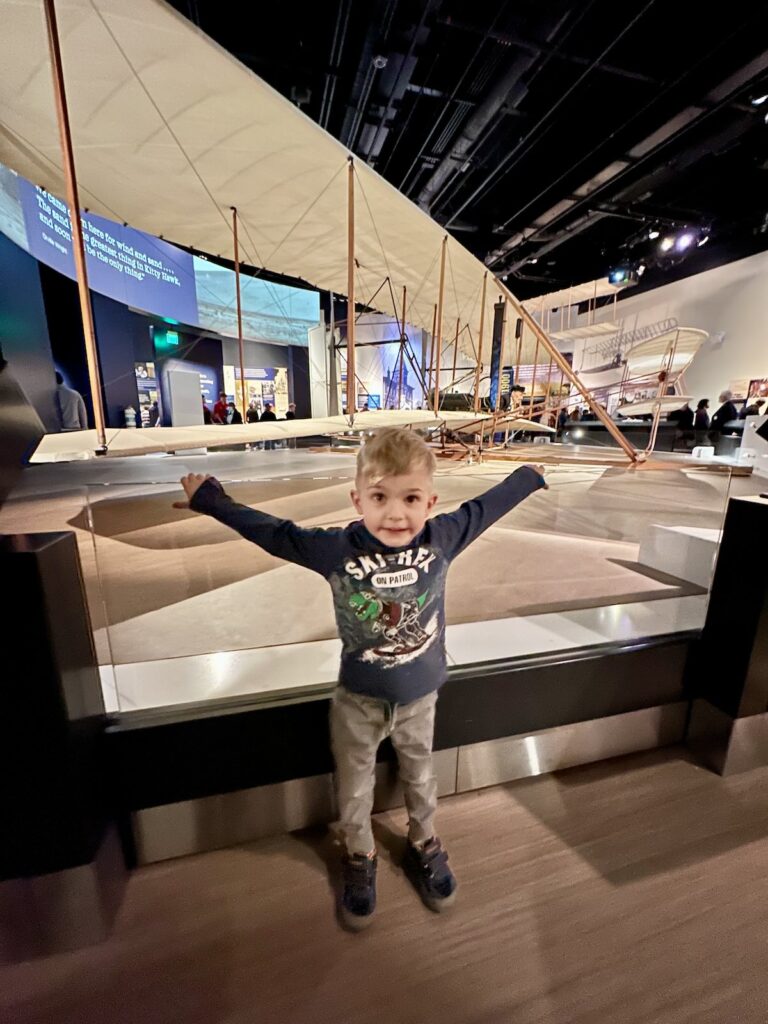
387 605
396 621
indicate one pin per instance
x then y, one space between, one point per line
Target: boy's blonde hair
393 451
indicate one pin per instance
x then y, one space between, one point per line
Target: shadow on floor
686 587
679 813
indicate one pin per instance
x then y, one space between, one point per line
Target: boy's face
395 508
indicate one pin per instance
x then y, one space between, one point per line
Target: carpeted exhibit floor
168 583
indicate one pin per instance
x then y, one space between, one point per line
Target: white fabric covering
247 147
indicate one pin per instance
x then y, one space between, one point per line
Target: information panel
147 273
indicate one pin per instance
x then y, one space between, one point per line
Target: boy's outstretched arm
455 530
314 548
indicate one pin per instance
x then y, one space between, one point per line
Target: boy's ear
432 502
356 501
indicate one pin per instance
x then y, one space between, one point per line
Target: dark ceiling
549 137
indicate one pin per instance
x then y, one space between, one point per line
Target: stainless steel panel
748 748
64 910
518 757
193 826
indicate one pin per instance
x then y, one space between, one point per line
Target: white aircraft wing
83 444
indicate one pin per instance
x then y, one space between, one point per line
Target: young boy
387 573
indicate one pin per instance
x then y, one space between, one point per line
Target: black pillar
729 718
61 867
497 344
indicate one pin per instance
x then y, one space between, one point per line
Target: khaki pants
358 725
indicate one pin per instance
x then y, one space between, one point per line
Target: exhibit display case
187 613
571 627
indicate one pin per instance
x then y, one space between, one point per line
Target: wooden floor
631 892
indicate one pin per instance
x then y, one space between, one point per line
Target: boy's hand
191 482
541 470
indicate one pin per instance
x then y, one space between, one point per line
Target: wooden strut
667 362
351 393
563 401
333 388
455 353
533 377
562 364
439 326
431 353
73 201
240 344
479 369
402 352
547 389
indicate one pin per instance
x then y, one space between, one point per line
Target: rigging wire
258 262
373 222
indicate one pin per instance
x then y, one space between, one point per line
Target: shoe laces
434 860
359 873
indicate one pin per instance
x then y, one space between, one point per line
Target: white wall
732 299
184 396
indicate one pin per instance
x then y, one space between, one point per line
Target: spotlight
758 101
676 246
653 234
640 270
620 275
534 260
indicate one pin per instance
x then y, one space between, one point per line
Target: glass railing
187 613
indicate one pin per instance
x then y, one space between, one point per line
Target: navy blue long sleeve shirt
389 602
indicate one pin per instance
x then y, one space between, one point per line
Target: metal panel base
194 826
519 757
227 819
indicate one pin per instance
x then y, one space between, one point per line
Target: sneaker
427 867
358 901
